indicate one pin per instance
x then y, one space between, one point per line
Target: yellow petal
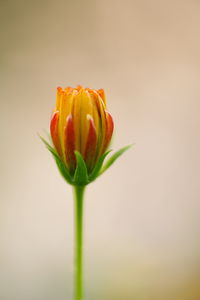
76 113
58 96
102 121
86 109
66 105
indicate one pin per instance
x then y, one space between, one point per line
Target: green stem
78 280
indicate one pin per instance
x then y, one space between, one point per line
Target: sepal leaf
81 173
61 166
63 170
113 158
98 166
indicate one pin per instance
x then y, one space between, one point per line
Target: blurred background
142 220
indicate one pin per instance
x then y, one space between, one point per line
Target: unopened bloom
80 122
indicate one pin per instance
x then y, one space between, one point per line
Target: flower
80 122
81 130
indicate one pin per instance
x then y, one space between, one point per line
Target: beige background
142 217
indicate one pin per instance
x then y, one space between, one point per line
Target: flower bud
81 123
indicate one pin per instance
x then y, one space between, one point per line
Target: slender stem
78 280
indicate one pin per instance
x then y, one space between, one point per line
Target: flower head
80 122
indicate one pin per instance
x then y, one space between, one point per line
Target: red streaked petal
109 130
54 131
70 143
91 143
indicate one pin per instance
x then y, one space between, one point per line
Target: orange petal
79 87
70 143
109 130
102 95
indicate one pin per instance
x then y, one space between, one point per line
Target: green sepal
81 173
113 158
64 171
60 164
98 166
